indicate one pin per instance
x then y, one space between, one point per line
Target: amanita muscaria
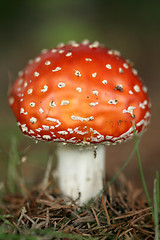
84 96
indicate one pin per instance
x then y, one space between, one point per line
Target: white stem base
81 172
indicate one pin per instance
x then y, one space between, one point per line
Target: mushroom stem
81 171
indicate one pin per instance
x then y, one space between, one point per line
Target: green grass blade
41 234
5 236
14 173
63 235
4 219
141 171
156 206
12 165
157 189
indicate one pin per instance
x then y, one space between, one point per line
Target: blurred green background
132 27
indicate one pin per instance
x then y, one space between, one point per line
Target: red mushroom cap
80 93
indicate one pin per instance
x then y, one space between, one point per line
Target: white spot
63 132
129 110
56 140
20 73
53 135
61 51
11 100
119 87
39 129
127 134
45 127
136 88
25 84
70 130
47 137
52 104
147 115
80 132
135 72
31 131
95 92
38 136
20 81
77 73
43 51
130 92
45 88
110 52
143 105
85 42
41 110
93 104
21 99
54 120
129 62
20 94
140 123
68 54
82 119
94 44
115 52
22 111
47 62
38 59
108 66
71 42
74 44
78 89
19 89
54 50
109 137
24 128
113 101
97 138
62 139
94 74
30 61
33 120
88 59
60 45
104 82
71 140
145 89
61 85
32 104
125 65
36 74
121 70
56 69
64 102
